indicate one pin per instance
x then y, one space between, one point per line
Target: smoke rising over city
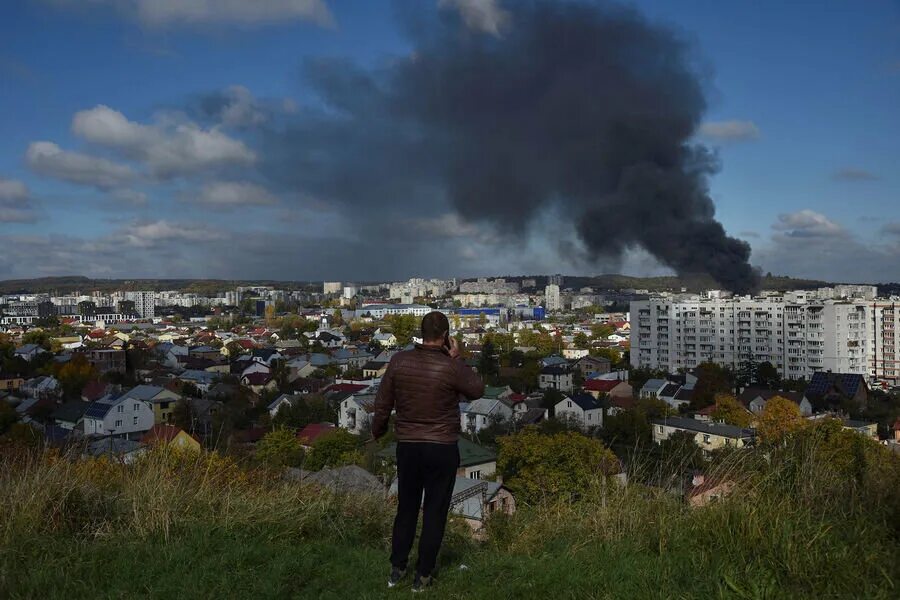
581 107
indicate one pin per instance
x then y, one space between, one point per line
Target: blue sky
802 96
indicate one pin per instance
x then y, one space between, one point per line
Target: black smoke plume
583 106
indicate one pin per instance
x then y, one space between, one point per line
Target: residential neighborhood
227 373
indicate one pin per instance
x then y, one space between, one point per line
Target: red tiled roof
600 385
257 378
246 344
623 402
516 398
314 431
707 411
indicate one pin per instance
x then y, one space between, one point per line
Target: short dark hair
434 326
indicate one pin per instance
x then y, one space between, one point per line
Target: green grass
802 524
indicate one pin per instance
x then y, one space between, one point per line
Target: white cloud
480 15
159 13
146 234
807 223
12 190
234 194
167 148
729 131
48 159
809 244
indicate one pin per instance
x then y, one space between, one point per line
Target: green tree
767 375
487 361
712 379
601 331
74 375
581 341
337 318
280 448
537 467
334 449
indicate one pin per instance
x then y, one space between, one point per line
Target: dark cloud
583 107
853 175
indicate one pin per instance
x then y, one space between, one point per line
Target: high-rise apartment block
332 287
551 297
798 333
144 303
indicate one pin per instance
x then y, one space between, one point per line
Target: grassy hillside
812 520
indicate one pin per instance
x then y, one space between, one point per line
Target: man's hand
454 348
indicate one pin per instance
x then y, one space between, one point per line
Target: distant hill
68 284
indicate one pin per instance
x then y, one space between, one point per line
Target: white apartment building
144 303
332 287
797 334
551 297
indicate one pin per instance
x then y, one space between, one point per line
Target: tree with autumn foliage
779 418
729 410
74 375
537 466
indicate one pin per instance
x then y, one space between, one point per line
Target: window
120 408
660 428
568 404
475 475
137 407
118 423
706 438
135 421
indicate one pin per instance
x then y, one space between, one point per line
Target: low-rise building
709 436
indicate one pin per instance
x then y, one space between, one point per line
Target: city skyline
140 144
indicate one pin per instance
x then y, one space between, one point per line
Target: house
530 410
583 410
482 413
43 386
355 413
553 360
28 351
299 368
558 377
668 395
593 365
259 382
611 388
498 392
652 388
309 434
160 399
282 401
385 340
10 382
69 415
476 500
202 380
830 391
118 416
704 491
121 450
755 399
374 369
870 430
266 356
709 436
328 339
107 360
171 436
253 366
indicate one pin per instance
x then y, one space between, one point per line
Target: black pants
429 468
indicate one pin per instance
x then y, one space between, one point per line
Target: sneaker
421 582
396 576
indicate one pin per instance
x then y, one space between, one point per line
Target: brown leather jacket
424 386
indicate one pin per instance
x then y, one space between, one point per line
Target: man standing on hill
424 386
